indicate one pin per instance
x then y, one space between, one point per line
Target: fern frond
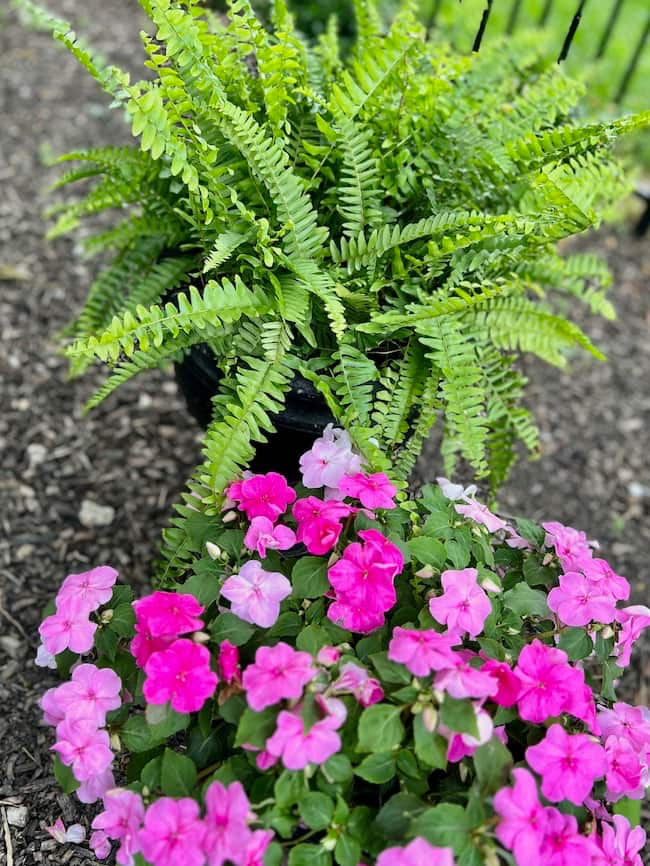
354 377
359 188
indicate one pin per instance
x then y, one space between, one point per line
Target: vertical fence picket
634 62
609 28
433 15
575 23
546 12
515 9
481 29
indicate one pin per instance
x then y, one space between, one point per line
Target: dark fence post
481 29
433 15
572 31
632 65
515 9
609 28
546 11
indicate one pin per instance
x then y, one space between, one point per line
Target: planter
303 419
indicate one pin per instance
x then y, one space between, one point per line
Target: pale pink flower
93 789
121 821
623 769
226 823
562 844
570 544
455 491
419 852
258 842
634 620
262 535
180 674
255 594
91 693
523 818
279 672
228 663
44 659
173 833
75 832
373 491
569 764
624 720
328 656
68 628
461 680
296 747
507 681
464 605
329 459
89 590
356 681
599 571
168 614
548 682
480 513
622 844
84 748
262 495
582 705
53 710
100 844
514 540
578 601
422 651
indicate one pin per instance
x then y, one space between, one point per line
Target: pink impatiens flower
611 584
329 459
464 605
262 535
507 680
624 770
262 495
548 682
94 788
75 832
621 844
419 852
228 663
461 680
89 590
91 693
319 525
279 672
422 651
68 628
373 491
569 764
523 818
168 614
563 845
258 842
180 674
480 513
121 821
173 833
570 544
100 844
464 745
624 720
226 823
296 747
356 681
578 601
255 594
634 620
83 747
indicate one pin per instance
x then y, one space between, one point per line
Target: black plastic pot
303 419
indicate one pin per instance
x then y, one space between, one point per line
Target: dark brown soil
133 454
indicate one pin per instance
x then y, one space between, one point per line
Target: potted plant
428 683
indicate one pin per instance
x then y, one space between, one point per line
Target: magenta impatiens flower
578 601
461 680
419 852
262 495
634 620
83 747
329 459
319 523
255 594
173 833
383 549
373 491
422 651
464 605
611 584
570 544
563 845
68 628
121 821
180 674
228 662
296 747
226 823
624 720
91 693
569 764
262 535
90 589
621 844
522 818
624 770
168 614
355 680
278 673
507 680
548 682
480 513
258 842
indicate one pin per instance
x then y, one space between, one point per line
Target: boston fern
384 224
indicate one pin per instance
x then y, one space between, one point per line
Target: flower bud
229 516
425 572
106 616
200 637
548 559
489 584
329 843
213 550
607 632
430 718
115 742
328 656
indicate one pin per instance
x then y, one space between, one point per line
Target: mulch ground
82 491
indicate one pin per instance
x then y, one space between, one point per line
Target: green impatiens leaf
459 715
316 810
430 748
227 626
380 728
525 601
377 768
309 577
576 643
177 774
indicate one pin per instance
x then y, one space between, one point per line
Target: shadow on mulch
79 491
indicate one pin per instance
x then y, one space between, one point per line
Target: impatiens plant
412 684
